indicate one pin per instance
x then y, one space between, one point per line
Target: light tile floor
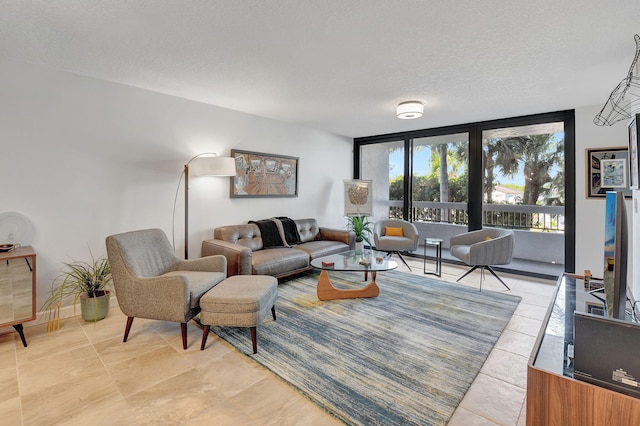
84 374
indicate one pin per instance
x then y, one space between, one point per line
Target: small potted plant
361 226
87 281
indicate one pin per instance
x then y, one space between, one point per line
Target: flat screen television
615 255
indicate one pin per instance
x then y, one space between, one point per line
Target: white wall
590 211
83 158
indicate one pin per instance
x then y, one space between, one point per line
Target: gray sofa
243 246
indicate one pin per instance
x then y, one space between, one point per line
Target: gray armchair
152 282
408 241
483 248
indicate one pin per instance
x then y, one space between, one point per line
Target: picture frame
358 197
634 160
594 308
607 169
260 175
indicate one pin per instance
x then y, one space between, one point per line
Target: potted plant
361 226
87 281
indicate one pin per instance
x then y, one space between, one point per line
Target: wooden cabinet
553 396
18 288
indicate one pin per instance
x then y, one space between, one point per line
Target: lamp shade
409 109
213 166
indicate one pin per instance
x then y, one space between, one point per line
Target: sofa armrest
238 257
342 235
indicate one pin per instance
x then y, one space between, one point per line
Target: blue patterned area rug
406 357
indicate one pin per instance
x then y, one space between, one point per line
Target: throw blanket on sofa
290 228
270 233
278 232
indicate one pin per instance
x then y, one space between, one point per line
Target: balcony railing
512 216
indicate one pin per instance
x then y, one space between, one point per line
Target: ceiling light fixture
409 109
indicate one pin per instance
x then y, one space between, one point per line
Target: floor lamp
206 164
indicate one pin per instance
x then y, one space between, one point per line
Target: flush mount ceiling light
409 109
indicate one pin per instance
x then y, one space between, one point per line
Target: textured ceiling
340 65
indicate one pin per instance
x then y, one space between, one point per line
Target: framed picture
607 170
595 308
264 175
358 197
634 166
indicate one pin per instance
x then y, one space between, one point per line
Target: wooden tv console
553 396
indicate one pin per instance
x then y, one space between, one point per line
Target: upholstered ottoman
239 301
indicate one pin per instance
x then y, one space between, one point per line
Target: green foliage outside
539 158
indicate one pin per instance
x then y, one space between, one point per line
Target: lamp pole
186 211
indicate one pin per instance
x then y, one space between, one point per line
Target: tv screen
615 255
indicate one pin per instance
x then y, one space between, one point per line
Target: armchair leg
467 273
254 340
127 329
490 269
273 312
205 334
183 328
402 258
482 268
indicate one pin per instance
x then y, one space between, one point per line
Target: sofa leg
205 334
127 329
254 340
183 327
273 312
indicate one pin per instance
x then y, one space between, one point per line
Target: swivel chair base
389 253
482 268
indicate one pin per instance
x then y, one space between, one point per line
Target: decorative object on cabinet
205 164
87 282
17 288
607 169
263 175
15 229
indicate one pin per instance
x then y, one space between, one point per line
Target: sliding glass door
515 173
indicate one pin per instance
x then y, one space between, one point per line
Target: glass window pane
524 166
383 163
440 179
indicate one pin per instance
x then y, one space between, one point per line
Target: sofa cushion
245 235
277 261
308 229
320 248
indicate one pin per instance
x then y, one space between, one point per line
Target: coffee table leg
326 290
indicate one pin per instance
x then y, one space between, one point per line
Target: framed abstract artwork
264 175
607 170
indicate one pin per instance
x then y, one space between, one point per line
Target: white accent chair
483 248
396 244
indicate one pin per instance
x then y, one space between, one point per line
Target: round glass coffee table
355 261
